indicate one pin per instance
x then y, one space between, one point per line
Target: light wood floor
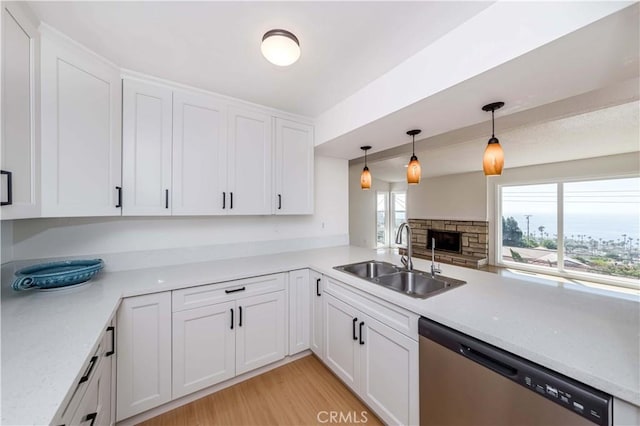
303 392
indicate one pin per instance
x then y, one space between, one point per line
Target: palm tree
541 229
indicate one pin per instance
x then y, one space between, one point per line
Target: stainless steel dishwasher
466 382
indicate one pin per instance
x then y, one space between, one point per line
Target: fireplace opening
445 240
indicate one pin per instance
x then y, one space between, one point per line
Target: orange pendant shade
414 171
493 160
365 179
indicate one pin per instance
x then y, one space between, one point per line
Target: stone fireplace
458 242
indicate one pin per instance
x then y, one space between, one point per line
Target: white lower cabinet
299 311
316 339
144 353
241 327
378 363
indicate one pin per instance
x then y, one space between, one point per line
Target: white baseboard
139 418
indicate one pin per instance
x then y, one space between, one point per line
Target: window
382 219
587 229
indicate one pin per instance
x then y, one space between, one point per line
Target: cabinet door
293 168
342 351
199 155
94 408
20 153
391 392
144 353
203 347
260 333
250 158
299 311
317 318
81 134
146 148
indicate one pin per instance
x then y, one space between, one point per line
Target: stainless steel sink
369 269
413 283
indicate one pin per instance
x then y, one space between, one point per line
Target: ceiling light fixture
365 176
493 160
414 170
280 47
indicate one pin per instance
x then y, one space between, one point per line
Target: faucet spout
405 259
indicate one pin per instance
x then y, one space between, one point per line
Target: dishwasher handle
489 362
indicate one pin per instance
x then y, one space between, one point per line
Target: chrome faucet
406 259
434 270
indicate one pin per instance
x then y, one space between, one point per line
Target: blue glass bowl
56 274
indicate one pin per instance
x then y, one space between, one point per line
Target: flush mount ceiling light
493 159
414 170
365 176
280 47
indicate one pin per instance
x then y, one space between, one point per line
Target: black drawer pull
9 188
119 189
361 324
91 417
279 201
318 287
224 200
231 196
166 198
231 318
113 341
240 322
92 364
355 320
235 290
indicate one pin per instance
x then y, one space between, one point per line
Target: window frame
559 271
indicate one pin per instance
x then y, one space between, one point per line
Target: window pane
399 213
529 224
601 227
381 220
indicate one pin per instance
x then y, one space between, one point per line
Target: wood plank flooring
303 392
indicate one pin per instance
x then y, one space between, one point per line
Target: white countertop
595 339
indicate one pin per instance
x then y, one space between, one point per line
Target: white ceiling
216 45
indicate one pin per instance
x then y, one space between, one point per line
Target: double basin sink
413 283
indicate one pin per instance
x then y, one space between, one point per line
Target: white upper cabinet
250 158
146 148
19 185
293 167
81 142
199 155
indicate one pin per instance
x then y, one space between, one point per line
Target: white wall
6 236
458 197
362 209
63 237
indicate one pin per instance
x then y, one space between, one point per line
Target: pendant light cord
365 157
413 149
493 124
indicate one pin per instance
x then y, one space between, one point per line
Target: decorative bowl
56 274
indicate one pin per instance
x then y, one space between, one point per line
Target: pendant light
365 176
493 160
414 170
280 47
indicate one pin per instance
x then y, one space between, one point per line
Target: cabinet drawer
196 297
395 317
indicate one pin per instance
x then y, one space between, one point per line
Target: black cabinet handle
355 320
318 287
279 201
9 188
240 322
235 290
224 200
361 325
91 417
119 189
113 341
166 198
92 364
231 196
231 318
